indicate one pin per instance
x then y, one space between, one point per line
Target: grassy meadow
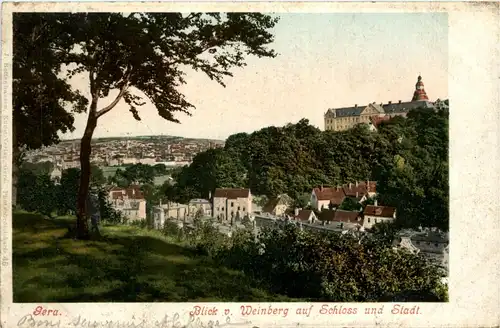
127 264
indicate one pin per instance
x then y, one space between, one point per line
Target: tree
160 169
37 192
145 55
38 168
68 191
40 96
350 204
97 176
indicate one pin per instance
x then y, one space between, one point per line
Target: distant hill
154 137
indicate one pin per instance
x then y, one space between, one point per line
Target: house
374 214
56 174
175 211
278 206
322 197
169 211
129 201
342 219
231 203
360 190
203 206
432 245
376 120
305 216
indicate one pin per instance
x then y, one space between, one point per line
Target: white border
474 179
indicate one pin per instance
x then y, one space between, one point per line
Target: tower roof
419 94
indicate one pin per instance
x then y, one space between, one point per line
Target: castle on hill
340 119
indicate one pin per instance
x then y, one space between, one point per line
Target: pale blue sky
325 61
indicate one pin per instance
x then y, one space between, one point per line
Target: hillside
129 264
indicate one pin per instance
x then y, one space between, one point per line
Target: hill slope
128 265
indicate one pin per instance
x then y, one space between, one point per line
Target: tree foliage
42 100
40 95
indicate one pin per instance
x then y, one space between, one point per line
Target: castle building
340 119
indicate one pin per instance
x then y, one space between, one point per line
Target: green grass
127 265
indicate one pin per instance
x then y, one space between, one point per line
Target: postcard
256 164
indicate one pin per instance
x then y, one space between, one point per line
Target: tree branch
118 97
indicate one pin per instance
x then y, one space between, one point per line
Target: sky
324 61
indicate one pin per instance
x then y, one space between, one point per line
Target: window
436 245
243 209
232 204
368 220
375 220
239 208
222 209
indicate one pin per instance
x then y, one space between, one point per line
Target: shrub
329 267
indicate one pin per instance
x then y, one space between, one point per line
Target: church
340 119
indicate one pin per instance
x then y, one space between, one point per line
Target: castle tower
419 94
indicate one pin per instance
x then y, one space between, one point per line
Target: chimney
376 202
321 188
400 101
357 194
209 195
356 183
350 185
355 105
296 211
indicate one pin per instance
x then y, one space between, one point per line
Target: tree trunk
82 228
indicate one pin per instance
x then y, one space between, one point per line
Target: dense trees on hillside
407 156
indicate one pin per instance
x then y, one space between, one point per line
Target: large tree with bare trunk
140 55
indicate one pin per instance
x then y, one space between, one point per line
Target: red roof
381 211
303 215
340 216
355 189
132 192
232 193
376 120
346 216
335 195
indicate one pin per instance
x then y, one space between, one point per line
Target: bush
139 223
171 228
329 267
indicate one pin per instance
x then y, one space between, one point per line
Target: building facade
129 201
374 214
278 206
231 203
202 206
341 119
